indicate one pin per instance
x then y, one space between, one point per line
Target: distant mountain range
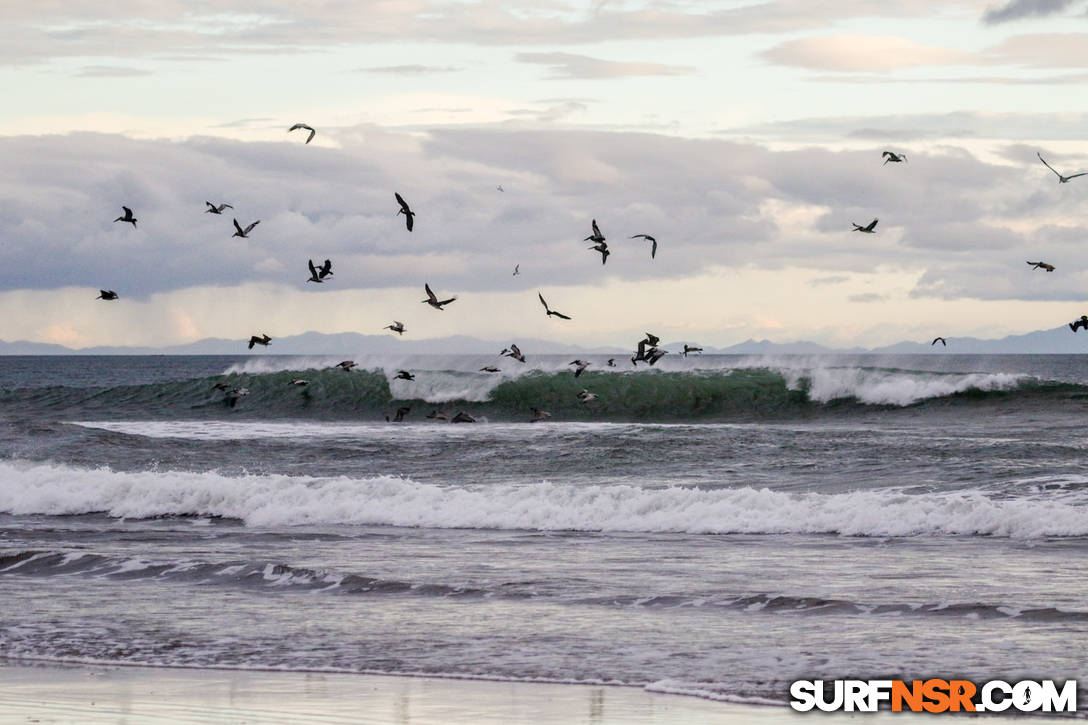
1056 341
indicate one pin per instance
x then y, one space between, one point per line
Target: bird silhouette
244 233
1061 179
1042 265
397 327
127 217
433 300
869 229
297 126
940 340
549 310
892 157
409 215
262 340
106 294
647 237
213 209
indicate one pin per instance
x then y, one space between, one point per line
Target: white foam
877 387
276 500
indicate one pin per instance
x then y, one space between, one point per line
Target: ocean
714 526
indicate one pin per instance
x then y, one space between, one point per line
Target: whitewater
717 526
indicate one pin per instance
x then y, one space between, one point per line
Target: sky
745 135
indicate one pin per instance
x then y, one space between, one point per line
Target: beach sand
137 695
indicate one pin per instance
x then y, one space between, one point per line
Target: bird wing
514 349
213 206
431 295
446 302
409 220
128 212
296 127
311 136
236 226
225 206
596 231
313 269
872 225
543 302
1073 176
1046 164
250 227
401 201
653 249
326 269
558 314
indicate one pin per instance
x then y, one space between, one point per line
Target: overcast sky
745 135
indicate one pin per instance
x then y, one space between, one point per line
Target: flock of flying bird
647 349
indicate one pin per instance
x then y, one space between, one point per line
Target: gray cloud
706 202
570 65
1018 9
868 297
957 124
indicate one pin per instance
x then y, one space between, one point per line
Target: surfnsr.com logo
933 695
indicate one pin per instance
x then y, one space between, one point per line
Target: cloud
409 70
1019 9
859 53
867 297
570 65
1041 50
109 71
912 126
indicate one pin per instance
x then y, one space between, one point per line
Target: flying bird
581 366
513 352
262 340
1042 265
1061 179
234 395
596 236
299 382
647 237
870 229
297 126
433 300
213 209
601 247
893 157
397 327
940 340
1081 322
585 396
462 417
499 187
438 415
345 365
539 415
106 294
318 274
516 270
549 310
689 348
127 217
399 417
611 362
409 215
243 233
489 369
404 375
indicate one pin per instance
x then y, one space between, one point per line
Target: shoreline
57 692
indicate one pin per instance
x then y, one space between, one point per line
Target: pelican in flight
648 238
345 365
585 396
499 187
513 352
299 382
397 327
399 417
892 157
596 237
261 340
106 294
611 362
462 417
489 369
244 233
1081 322
690 348
581 366
539 415
297 126
601 247
404 375
1061 179
433 300
870 229
549 310
1042 265
127 217
234 395
409 215
940 340
318 274
213 209
437 414
517 271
